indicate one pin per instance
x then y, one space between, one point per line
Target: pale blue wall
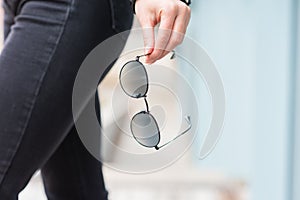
250 43
296 147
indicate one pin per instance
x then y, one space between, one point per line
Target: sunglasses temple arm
138 57
172 56
188 120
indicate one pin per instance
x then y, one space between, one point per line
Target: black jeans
45 43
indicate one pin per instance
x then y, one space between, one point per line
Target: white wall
250 43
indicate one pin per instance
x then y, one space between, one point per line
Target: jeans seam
112 14
114 19
23 129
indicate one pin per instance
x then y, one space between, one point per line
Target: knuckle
171 8
188 10
181 5
146 22
184 9
178 40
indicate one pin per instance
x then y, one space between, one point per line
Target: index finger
163 36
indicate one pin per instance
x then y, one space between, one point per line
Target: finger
163 36
147 22
148 36
178 33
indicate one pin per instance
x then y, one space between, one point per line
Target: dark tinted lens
134 79
145 130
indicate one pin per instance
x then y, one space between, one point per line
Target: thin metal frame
187 118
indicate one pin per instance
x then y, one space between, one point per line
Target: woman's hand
173 16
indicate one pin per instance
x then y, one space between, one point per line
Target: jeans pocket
121 14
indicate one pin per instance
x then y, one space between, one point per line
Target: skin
172 16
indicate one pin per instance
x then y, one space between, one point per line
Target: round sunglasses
134 82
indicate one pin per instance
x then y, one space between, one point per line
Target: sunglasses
134 82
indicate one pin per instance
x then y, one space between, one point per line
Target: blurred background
255 46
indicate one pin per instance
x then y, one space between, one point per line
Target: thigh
73 173
24 62
38 65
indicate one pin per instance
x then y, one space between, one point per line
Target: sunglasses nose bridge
147 105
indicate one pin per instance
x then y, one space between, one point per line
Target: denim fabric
45 43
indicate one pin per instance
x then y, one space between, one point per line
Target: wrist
187 2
